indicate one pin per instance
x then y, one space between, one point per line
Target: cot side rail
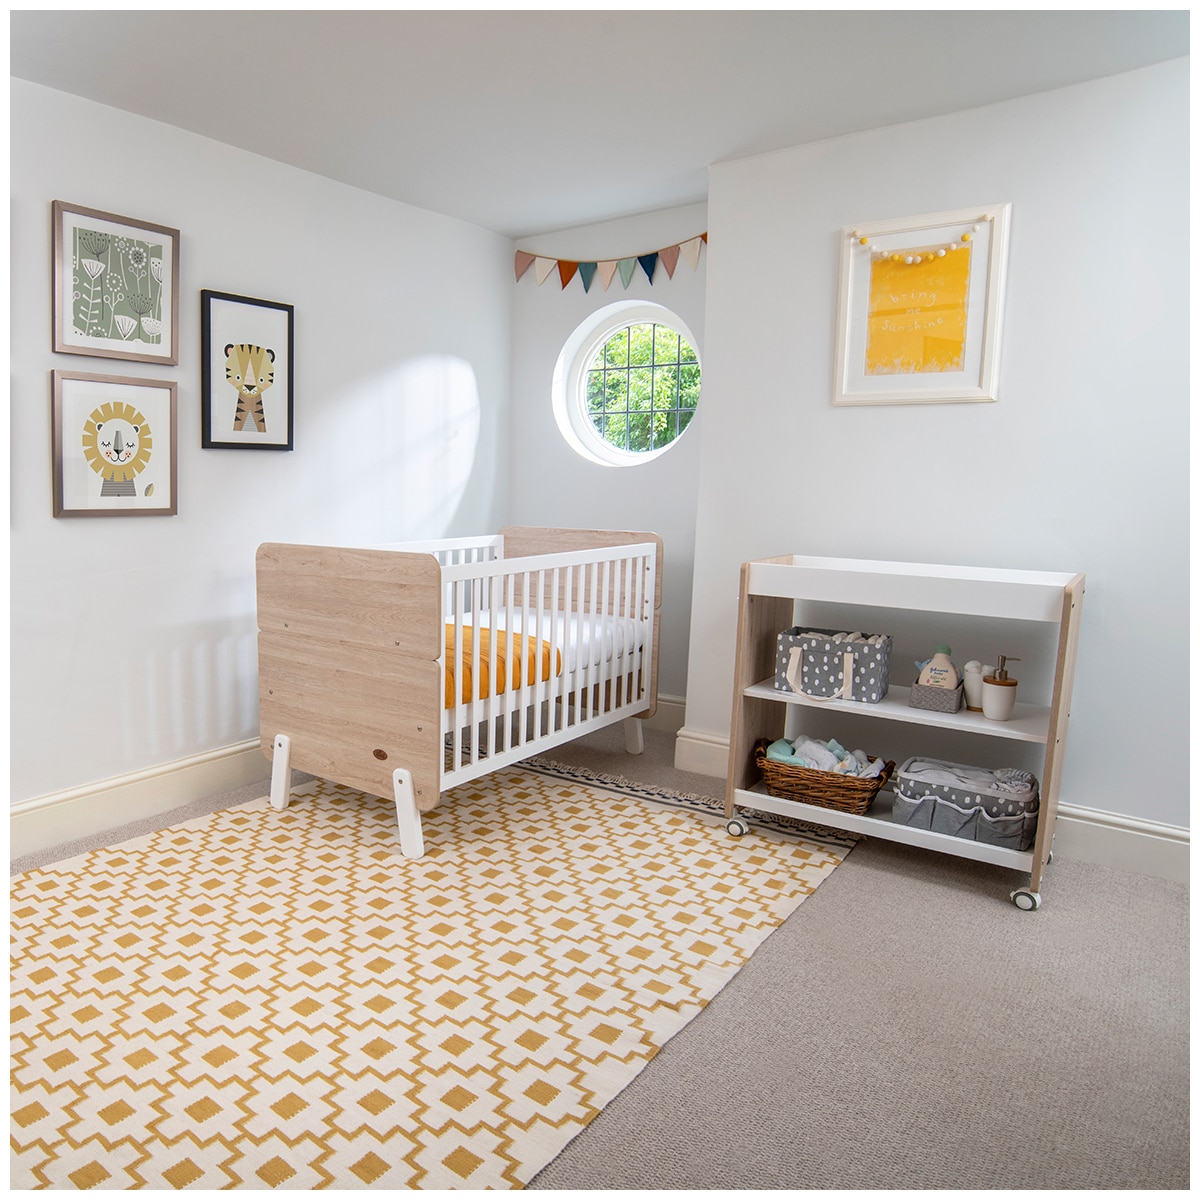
524 540
575 631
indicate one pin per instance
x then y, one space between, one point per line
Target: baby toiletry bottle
999 692
939 671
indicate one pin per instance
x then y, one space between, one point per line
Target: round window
627 383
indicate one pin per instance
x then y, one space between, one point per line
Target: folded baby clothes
824 756
955 775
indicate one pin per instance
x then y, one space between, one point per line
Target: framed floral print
116 286
245 373
115 446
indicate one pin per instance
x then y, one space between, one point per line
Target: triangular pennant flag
691 251
649 262
586 271
669 257
566 271
607 269
523 263
626 266
542 267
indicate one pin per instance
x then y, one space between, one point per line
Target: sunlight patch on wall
420 428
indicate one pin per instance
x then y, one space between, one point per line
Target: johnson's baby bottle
939 671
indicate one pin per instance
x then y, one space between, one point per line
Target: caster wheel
1026 901
736 827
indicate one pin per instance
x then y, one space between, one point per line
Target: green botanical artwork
118 287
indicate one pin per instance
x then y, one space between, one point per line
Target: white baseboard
702 753
1081 834
1112 840
60 817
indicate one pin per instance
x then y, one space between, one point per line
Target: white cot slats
591 609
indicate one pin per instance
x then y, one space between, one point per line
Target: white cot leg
408 816
281 771
635 742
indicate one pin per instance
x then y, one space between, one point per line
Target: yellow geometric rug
268 999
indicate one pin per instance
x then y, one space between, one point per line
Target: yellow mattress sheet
493 665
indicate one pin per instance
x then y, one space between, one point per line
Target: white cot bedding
583 639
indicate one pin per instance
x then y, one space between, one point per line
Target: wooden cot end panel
376 598
353 715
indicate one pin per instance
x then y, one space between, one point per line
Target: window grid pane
642 387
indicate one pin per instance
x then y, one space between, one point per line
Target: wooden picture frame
246 373
115 445
115 285
920 306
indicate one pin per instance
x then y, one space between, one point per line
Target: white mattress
582 639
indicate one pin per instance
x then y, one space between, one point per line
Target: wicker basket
845 793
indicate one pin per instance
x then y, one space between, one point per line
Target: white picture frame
884 322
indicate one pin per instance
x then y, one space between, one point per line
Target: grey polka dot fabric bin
816 661
998 806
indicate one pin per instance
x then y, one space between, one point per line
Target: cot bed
405 670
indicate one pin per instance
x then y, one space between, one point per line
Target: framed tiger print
116 286
246 394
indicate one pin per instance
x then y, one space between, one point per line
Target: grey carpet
906 1027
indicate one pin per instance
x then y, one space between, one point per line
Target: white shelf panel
877 822
982 591
1029 722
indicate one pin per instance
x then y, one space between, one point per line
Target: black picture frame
244 340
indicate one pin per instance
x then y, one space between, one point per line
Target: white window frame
569 387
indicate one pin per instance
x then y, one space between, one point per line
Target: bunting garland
609 268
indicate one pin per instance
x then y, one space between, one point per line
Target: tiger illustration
251 370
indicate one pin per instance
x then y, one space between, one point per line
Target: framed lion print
115 446
246 395
116 286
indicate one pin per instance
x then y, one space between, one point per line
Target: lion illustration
117 445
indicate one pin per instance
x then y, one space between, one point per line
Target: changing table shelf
877 822
1029 722
771 589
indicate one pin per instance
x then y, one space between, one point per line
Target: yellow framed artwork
920 308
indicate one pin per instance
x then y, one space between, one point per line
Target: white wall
1089 437
133 640
552 484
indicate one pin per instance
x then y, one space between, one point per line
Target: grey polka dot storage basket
816 662
998 806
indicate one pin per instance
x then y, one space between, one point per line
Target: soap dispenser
999 691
